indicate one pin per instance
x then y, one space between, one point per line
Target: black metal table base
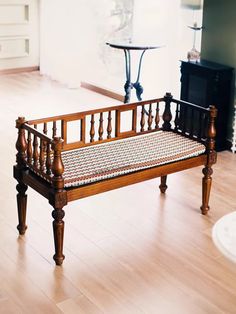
128 84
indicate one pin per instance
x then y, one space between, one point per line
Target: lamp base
193 55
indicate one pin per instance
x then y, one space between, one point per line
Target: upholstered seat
107 160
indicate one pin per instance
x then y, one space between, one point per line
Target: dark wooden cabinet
207 83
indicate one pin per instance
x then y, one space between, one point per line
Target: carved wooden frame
35 169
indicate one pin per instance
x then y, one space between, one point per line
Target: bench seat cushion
98 162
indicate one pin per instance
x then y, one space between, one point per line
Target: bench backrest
46 138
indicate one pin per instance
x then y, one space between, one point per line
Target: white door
19 34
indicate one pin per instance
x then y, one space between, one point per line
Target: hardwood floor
131 250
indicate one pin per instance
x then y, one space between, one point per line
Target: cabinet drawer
14 47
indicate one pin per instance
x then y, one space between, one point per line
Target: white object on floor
224 235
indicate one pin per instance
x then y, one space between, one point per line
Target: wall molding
19 70
23 13
14 47
103 91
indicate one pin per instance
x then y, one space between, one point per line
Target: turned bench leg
206 188
58 232
163 185
21 206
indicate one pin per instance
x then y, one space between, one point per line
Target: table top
133 46
224 235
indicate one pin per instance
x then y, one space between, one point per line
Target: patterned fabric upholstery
98 162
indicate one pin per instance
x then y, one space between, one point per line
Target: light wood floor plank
79 305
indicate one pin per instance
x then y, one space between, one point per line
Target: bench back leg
163 185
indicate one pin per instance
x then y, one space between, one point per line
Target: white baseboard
103 91
19 70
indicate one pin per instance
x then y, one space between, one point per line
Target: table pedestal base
128 87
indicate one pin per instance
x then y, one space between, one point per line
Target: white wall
74 33
219 42
65 30
73 37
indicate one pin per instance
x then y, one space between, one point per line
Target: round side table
128 84
224 235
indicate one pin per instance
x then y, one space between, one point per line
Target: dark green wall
219 36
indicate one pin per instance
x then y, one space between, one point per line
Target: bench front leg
206 188
211 160
58 232
21 206
58 199
18 169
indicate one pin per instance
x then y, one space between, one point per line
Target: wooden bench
105 155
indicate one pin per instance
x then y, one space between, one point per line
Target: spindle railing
39 152
191 120
97 126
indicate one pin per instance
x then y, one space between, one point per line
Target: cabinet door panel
197 91
207 83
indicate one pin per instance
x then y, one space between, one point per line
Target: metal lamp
193 54
191 4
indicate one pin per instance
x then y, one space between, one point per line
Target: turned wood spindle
48 159
21 143
54 129
109 125
142 121
211 129
157 117
57 164
92 129
41 155
205 124
167 116
150 117
35 149
100 129
45 128
29 148
177 118
200 120
181 118
191 131
184 120
203 128
45 131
